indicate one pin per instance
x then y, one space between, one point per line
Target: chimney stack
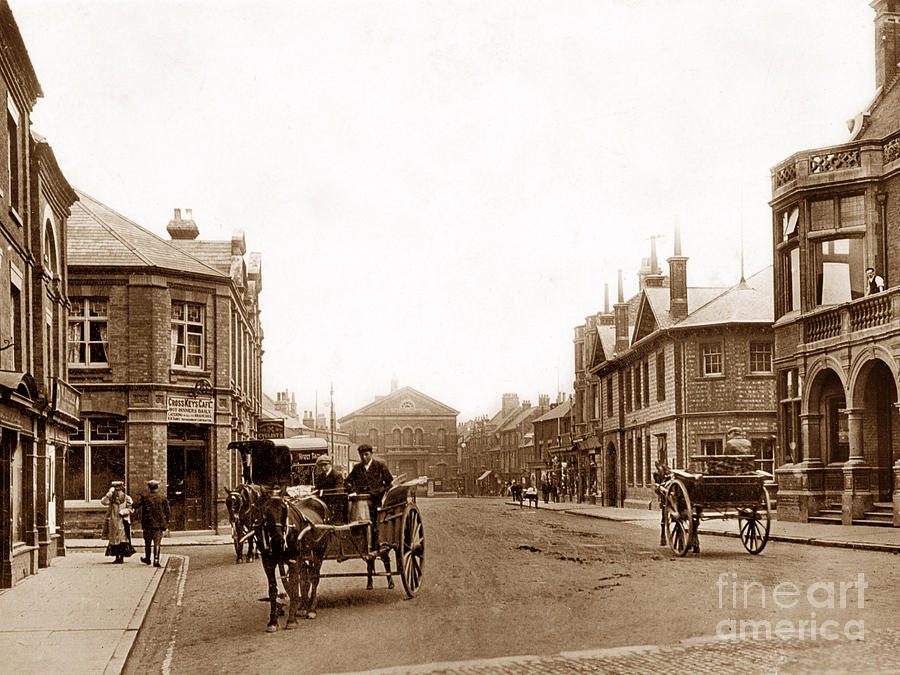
678 300
185 229
887 40
621 313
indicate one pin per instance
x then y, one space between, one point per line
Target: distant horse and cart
298 528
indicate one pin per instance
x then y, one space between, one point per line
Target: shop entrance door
187 479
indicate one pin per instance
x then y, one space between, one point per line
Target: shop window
711 446
760 357
88 342
790 392
711 359
187 335
639 462
840 270
95 458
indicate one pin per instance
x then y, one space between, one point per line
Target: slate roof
562 410
750 301
214 253
100 236
659 302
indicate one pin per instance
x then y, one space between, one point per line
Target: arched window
50 259
397 437
441 437
373 437
419 437
407 437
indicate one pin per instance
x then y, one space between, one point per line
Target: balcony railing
869 312
825 165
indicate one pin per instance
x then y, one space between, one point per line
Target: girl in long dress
118 522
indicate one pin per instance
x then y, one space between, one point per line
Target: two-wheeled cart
728 488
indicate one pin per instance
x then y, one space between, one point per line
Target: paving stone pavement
878 652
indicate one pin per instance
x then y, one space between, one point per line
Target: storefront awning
484 475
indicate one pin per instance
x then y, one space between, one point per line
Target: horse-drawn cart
296 525
728 488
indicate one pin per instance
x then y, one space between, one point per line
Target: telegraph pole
333 459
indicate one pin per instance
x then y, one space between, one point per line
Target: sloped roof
216 254
392 401
97 235
561 410
658 299
519 416
749 301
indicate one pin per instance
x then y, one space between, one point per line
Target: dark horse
238 503
286 533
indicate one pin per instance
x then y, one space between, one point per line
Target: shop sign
269 429
189 409
66 399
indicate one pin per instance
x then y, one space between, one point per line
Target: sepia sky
440 189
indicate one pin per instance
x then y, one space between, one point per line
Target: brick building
38 408
165 345
552 440
696 362
412 432
837 356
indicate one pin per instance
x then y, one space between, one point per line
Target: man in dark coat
373 477
325 477
370 475
154 510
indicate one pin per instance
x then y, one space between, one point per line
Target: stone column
896 493
857 497
809 474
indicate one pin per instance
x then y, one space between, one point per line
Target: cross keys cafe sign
266 429
193 410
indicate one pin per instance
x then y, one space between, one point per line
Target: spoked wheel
754 524
411 552
679 518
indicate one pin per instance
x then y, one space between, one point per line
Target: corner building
695 362
835 212
38 407
165 345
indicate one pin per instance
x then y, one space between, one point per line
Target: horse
237 501
286 533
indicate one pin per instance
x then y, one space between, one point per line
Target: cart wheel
754 524
679 520
411 552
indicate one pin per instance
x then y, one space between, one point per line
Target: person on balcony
875 284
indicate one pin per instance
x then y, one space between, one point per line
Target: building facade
165 345
38 407
696 362
412 432
837 355
552 442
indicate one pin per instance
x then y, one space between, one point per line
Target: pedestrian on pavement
118 522
154 509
